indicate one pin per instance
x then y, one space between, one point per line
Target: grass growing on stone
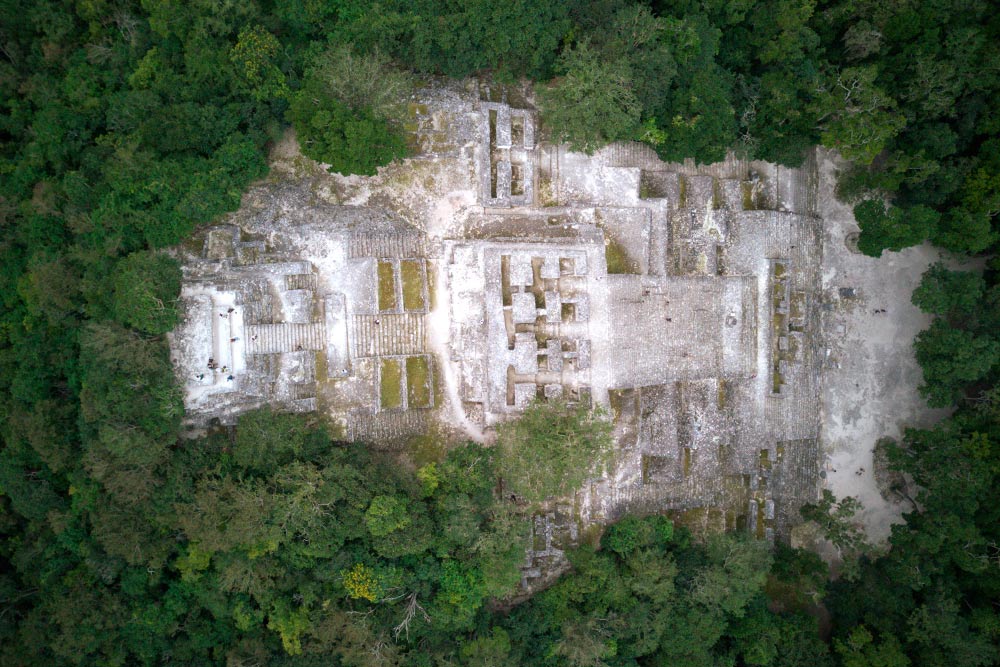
418 382
701 521
386 286
390 384
412 274
618 260
552 448
748 200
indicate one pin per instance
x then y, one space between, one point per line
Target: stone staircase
632 154
398 245
302 391
386 334
285 337
385 426
297 281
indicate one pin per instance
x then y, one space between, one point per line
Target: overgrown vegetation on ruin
124 125
552 448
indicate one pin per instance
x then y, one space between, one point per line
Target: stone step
632 154
303 405
285 337
397 245
303 391
386 334
384 426
297 281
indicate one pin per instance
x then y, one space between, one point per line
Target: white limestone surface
870 384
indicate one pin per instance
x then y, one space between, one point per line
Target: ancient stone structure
683 300
250 330
279 327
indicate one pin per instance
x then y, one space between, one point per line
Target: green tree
552 448
892 229
254 56
836 520
387 514
492 650
370 81
593 103
350 141
861 650
349 109
965 231
954 295
855 115
951 359
146 287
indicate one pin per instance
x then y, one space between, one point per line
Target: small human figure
225 369
253 337
200 377
376 320
298 348
229 379
231 311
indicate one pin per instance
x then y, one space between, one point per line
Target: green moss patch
390 384
412 275
618 259
386 286
418 382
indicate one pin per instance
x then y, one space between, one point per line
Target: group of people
213 366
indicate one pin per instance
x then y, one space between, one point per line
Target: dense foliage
552 449
348 111
651 596
124 125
